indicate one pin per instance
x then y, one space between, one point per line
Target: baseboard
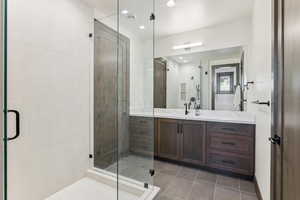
206 168
258 193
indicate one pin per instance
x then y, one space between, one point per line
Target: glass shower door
78 96
48 97
135 100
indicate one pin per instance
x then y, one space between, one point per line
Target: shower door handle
17 114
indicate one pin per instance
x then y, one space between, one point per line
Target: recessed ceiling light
171 3
180 58
185 61
142 27
124 12
185 46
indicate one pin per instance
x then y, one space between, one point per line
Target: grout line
240 189
214 194
215 189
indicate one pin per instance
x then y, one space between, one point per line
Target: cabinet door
192 142
168 139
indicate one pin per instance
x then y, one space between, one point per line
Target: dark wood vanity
224 147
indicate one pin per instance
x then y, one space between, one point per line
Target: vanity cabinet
226 147
230 147
181 140
192 142
168 137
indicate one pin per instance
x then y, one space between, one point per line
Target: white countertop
205 115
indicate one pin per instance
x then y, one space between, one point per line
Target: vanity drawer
230 143
230 128
237 164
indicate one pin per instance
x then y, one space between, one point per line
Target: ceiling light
124 12
180 58
142 27
185 61
185 46
171 3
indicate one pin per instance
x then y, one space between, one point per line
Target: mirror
211 80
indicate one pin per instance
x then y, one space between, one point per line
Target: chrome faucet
189 105
186 109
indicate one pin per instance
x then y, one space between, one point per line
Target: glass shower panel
105 88
135 71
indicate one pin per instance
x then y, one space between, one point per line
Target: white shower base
102 185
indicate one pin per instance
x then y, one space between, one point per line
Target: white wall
260 72
49 66
233 34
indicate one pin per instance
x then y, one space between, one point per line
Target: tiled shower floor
135 167
182 183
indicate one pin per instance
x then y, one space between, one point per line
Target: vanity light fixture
171 3
186 46
142 27
124 12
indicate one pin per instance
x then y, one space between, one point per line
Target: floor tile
183 183
170 169
202 191
162 196
179 187
158 165
187 173
162 180
226 194
249 197
226 181
247 186
206 176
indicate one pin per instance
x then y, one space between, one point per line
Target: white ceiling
196 58
187 15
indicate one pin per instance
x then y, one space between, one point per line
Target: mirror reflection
210 80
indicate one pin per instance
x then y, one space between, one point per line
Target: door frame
277 98
213 79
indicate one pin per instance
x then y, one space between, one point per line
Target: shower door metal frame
3 99
1 102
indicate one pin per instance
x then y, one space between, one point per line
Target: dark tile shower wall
111 99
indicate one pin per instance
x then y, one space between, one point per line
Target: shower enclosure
74 71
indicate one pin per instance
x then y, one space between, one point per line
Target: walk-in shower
73 71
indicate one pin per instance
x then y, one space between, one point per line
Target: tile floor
182 183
